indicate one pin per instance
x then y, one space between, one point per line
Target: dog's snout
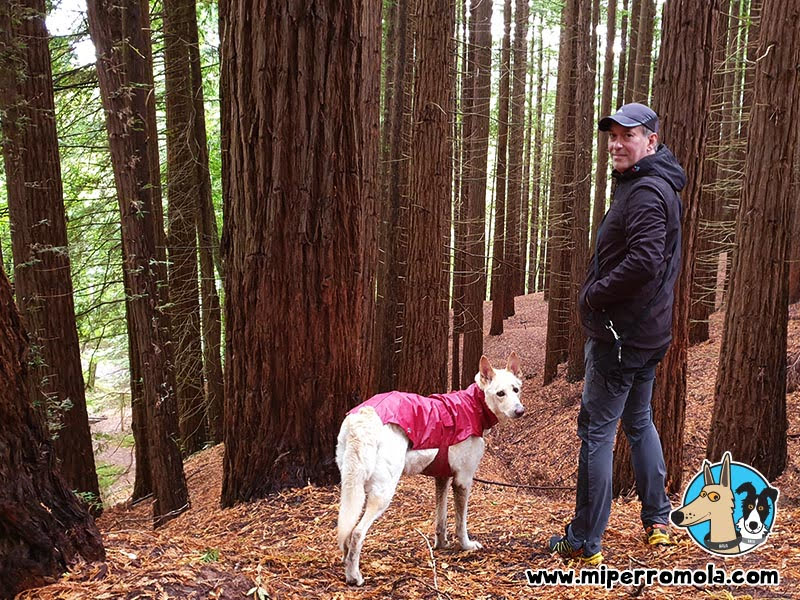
752 525
519 411
677 517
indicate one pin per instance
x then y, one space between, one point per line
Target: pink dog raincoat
438 421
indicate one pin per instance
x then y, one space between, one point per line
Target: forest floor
285 547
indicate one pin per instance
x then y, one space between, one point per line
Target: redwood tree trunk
644 52
682 96
515 248
750 400
423 358
500 271
394 211
561 198
475 285
601 175
44 528
183 188
584 128
297 236
39 238
124 70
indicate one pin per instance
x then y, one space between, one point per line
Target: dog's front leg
442 485
461 496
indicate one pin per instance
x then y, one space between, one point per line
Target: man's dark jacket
638 256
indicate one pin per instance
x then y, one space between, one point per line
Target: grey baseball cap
631 115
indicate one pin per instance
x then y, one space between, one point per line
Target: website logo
728 508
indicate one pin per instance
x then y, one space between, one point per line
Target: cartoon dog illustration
714 504
756 511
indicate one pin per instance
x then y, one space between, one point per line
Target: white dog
397 434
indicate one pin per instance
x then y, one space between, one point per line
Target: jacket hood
663 163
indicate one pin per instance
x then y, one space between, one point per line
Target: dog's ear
512 364
746 487
725 474
771 493
708 477
486 370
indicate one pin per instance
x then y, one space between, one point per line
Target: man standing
626 312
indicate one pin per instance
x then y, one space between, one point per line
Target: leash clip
617 339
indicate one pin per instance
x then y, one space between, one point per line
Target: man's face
629 145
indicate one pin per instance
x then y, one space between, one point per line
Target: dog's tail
356 455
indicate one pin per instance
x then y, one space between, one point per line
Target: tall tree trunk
516 134
634 20
45 528
682 98
644 52
461 201
423 359
394 247
525 230
500 269
535 252
709 234
208 238
298 236
183 186
584 129
39 238
749 416
124 70
561 198
601 175
475 284
623 56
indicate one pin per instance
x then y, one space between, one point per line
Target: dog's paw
441 544
355 579
471 545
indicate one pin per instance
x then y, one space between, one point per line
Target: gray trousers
615 390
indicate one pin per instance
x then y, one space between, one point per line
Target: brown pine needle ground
285 545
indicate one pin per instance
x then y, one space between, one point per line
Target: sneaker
658 535
561 546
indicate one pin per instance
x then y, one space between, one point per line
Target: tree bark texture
517 240
124 70
302 150
423 358
500 271
208 237
710 230
475 282
623 57
42 277
394 211
562 191
749 416
634 18
584 129
644 52
44 528
183 189
601 175
682 90
536 251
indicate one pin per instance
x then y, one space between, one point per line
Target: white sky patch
69 17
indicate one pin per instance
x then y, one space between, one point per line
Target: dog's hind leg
381 488
442 485
356 455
